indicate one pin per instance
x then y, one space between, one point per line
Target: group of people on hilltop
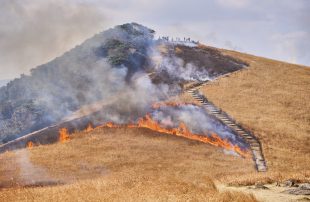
167 38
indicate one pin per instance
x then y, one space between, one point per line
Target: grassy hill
269 98
120 164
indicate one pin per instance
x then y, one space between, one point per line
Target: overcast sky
32 32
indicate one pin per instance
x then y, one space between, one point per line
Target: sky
33 32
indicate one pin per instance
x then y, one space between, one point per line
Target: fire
89 128
109 125
182 131
63 135
29 145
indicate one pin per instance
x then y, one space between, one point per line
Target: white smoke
29 174
196 119
176 68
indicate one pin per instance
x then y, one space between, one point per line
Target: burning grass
29 145
63 135
124 163
183 131
174 118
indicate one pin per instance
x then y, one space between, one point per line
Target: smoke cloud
114 70
197 120
33 32
177 69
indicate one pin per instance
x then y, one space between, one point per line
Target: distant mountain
112 64
3 82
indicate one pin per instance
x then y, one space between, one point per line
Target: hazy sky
33 32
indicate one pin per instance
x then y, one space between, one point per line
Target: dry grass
271 99
121 165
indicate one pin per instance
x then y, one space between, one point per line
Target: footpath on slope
227 120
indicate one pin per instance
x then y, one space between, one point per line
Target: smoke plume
34 31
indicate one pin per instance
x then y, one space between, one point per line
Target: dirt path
272 194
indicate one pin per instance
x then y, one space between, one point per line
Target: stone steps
252 141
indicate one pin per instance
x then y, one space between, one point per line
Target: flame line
182 131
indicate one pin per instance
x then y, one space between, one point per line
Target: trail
227 120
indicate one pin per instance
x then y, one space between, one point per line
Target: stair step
256 145
243 133
224 117
252 142
257 149
227 120
212 108
208 106
240 130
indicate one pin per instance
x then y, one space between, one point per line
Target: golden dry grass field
120 164
269 98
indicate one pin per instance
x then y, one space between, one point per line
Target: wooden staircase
248 137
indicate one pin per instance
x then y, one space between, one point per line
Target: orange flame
63 135
89 128
182 131
29 145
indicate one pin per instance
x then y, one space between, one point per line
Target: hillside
120 164
112 65
96 165
270 98
81 76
